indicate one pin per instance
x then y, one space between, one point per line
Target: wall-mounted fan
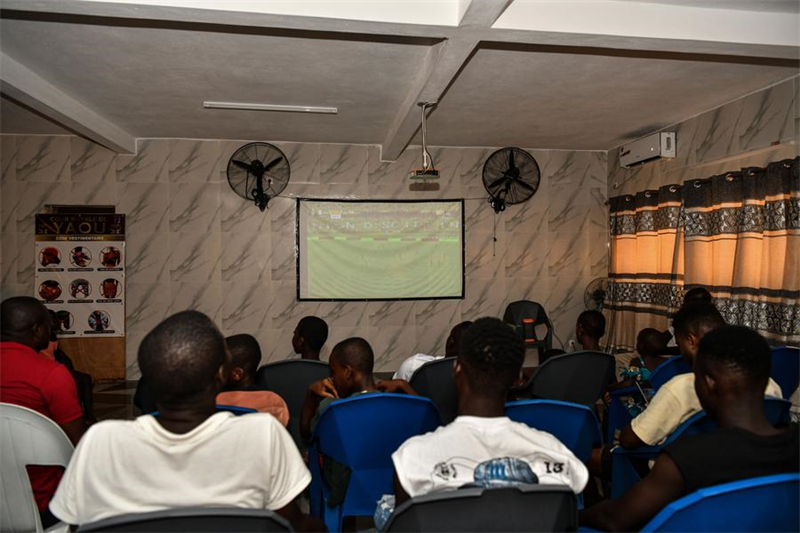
258 172
595 294
510 176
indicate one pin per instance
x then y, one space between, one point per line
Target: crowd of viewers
194 454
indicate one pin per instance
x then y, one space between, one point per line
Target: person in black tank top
731 372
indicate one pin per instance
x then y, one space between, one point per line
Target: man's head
691 323
453 343
698 294
490 359
591 324
351 364
245 358
650 341
732 366
25 320
309 336
184 360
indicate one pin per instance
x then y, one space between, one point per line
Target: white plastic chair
26 438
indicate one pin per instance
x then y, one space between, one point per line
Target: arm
641 503
629 440
400 494
395 385
74 430
299 521
316 391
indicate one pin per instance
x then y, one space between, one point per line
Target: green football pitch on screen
380 250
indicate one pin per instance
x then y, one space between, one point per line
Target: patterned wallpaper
192 243
751 131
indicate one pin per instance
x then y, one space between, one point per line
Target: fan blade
243 165
523 184
511 159
272 164
498 181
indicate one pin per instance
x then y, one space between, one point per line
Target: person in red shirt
30 379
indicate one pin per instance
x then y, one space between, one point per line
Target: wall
742 133
192 243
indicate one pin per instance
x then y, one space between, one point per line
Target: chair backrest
523 508
531 324
786 368
575 425
194 519
760 504
290 380
364 431
435 380
579 377
668 370
26 438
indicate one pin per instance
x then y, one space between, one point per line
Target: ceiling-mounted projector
646 149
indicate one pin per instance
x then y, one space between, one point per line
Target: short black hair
245 352
698 294
314 330
20 314
356 353
697 318
593 323
654 341
491 355
180 357
736 349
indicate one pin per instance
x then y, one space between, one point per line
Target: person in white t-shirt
482 446
413 363
190 455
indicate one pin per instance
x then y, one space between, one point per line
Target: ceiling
500 74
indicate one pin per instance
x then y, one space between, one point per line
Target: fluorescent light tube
272 107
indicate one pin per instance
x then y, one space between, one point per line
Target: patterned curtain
736 234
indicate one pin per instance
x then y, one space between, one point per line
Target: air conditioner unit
647 148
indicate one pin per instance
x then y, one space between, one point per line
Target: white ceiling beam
27 87
442 65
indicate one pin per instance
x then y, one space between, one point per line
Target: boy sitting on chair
482 446
240 390
730 375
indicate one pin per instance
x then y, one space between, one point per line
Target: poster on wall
80 272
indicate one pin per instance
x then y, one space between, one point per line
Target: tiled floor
115 400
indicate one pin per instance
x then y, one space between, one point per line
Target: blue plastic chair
766 503
618 415
362 433
624 475
786 369
575 425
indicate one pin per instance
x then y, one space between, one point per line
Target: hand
395 385
607 398
324 388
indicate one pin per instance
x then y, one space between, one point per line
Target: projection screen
380 250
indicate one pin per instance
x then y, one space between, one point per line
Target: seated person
240 390
351 364
309 337
676 401
467 450
731 373
32 380
190 455
698 294
649 343
589 329
410 365
83 381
